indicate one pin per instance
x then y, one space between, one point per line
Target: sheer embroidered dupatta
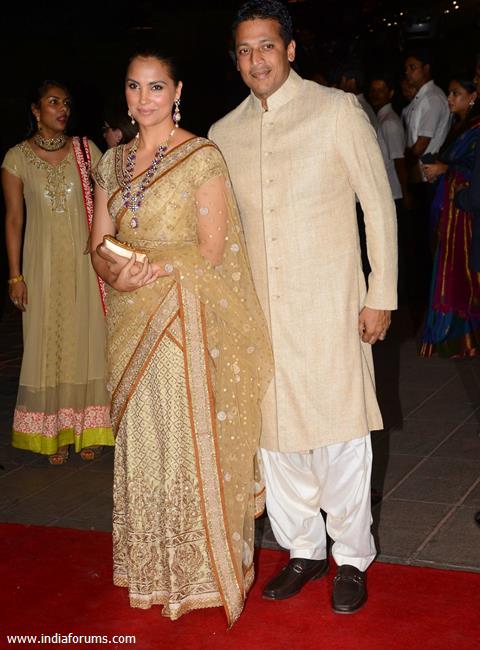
213 315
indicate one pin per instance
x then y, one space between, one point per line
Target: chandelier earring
176 113
39 124
132 119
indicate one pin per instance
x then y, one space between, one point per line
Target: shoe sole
319 575
350 611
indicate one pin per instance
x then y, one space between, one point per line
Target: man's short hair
422 54
264 10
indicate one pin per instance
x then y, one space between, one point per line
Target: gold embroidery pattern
55 177
152 337
160 545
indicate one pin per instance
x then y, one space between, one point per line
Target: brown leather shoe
349 589
293 577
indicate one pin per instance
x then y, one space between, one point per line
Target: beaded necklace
133 200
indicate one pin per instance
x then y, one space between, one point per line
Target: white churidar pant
335 479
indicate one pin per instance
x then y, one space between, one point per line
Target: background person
62 399
118 127
452 327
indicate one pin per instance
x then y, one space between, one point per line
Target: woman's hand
433 170
133 275
18 294
115 263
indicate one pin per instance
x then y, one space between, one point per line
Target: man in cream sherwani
298 153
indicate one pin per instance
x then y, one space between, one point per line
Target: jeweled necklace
133 200
50 144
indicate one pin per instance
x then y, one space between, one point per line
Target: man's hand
373 324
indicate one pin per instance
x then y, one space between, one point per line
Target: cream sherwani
296 169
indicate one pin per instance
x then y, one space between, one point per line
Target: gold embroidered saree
189 360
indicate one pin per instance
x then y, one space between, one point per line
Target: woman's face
460 100
150 91
53 110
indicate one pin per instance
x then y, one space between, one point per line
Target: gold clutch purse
122 249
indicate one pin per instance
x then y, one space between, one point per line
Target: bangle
17 278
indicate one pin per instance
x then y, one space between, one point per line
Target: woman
62 399
118 128
189 359
452 327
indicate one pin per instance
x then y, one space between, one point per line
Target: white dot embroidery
221 415
204 211
235 248
214 353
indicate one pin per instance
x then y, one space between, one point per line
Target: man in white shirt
427 123
392 145
428 118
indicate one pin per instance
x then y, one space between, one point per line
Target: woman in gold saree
189 359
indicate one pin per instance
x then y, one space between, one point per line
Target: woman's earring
39 126
176 113
132 119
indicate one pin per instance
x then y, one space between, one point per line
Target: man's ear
291 51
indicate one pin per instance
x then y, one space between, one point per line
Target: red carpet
59 580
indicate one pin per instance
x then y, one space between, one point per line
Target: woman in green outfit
62 399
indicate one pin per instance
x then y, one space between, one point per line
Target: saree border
84 170
205 441
174 158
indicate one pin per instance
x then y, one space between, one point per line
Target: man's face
416 72
263 60
380 94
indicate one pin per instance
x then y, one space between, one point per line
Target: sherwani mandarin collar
287 91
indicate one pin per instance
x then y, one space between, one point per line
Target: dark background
86 45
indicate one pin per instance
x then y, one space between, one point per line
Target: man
297 153
392 143
428 119
392 146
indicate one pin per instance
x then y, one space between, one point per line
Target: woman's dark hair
166 59
35 97
459 126
115 115
265 10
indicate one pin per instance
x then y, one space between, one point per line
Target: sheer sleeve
211 206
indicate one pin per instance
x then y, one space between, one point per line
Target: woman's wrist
16 278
